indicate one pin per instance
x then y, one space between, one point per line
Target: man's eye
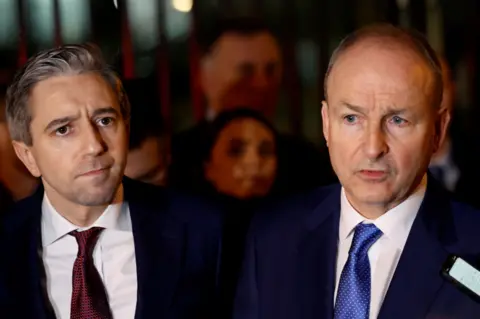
350 118
105 121
64 130
398 120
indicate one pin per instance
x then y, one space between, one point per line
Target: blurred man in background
149 150
242 66
5 198
14 176
455 164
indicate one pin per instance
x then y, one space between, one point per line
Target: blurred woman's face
243 161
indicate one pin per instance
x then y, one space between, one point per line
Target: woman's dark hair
225 118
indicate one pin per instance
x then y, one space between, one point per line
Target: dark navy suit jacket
290 263
177 247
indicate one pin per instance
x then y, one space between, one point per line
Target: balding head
382 119
391 38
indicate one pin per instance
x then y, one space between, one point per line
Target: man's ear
24 153
325 122
442 124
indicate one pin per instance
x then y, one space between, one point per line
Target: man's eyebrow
389 111
105 110
354 108
67 119
60 122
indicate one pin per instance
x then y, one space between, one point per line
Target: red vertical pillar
128 57
22 41
291 76
163 75
322 40
194 60
57 23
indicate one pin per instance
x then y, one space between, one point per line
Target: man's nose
375 145
93 140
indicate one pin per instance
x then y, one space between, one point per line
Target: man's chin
372 196
98 195
95 199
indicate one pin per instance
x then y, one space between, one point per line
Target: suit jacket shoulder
466 226
177 247
290 260
183 207
284 214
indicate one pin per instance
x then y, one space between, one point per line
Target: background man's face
243 70
149 162
13 174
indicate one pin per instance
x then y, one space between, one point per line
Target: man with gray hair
388 242
92 243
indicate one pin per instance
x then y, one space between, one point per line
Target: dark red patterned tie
89 299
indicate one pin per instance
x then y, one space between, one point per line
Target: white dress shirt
385 253
114 258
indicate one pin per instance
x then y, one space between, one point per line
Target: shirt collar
395 224
55 226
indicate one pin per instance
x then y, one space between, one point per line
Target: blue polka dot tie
353 294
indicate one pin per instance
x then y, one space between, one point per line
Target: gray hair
65 60
409 39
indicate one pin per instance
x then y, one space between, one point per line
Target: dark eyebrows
67 119
390 111
354 108
60 122
105 110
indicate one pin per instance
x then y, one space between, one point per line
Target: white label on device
465 274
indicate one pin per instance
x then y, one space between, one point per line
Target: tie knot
365 236
87 239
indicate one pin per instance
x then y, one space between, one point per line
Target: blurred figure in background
242 155
5 198
454 165
242 65
149 150
239 170
16 180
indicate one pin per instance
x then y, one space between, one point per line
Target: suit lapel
317 254
29 283
417 278
159 241
37 275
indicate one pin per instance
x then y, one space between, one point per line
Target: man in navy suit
374 246
92 243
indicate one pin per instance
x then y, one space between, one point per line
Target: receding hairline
391 38
377 44
65 60
229 35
